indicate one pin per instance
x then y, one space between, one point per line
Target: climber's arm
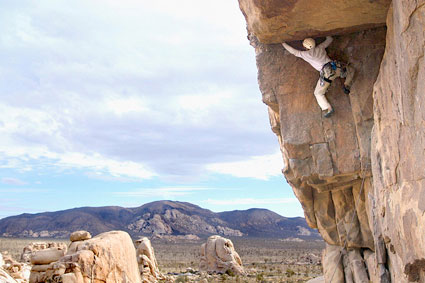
327 42
292 50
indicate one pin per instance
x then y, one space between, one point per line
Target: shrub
290 272
230 273
260 277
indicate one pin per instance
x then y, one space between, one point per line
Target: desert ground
264 260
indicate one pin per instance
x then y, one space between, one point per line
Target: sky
126 102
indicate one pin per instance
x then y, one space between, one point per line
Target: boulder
218 255
108 257
5 277
30 249
148 265
42 261
19 271
79 236
47 256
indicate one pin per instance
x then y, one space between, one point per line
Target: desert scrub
290 272
181 279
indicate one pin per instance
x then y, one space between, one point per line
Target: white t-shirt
317 56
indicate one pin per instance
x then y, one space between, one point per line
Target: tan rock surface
274 21
5 277
327 161
19 271
47 256
399 142
148 265
108 257
30 249
218 255
79 236
43 260
366 196
333 268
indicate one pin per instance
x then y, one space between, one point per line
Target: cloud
84 87
13 181
250 201
162 192
258 167
23 190
100 164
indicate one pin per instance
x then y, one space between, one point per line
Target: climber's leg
319 93
348 74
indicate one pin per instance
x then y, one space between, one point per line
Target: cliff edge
359 175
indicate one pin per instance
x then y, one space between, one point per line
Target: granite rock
398 142
218 255
274 21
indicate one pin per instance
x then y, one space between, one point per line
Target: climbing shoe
328 113
346 89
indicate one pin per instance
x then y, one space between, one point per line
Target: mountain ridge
157 218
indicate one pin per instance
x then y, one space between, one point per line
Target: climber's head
309 43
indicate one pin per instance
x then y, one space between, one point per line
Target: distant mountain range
157 218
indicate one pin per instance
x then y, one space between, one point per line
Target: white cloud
250 201
162 192
102 165
258 167
34 136
124 105
13 181
23 190
133 89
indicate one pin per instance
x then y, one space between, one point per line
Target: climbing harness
329 71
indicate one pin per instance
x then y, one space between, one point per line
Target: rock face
4 276
367 199
32 248
42 268
10 268
79 236
274 21
399 142
108 257
326 161
148 265
218 255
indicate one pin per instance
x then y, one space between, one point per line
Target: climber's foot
346 89
328 112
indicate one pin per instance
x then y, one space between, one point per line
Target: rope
352 220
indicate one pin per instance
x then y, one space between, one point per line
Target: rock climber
329 70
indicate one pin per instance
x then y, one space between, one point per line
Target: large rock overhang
275 21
